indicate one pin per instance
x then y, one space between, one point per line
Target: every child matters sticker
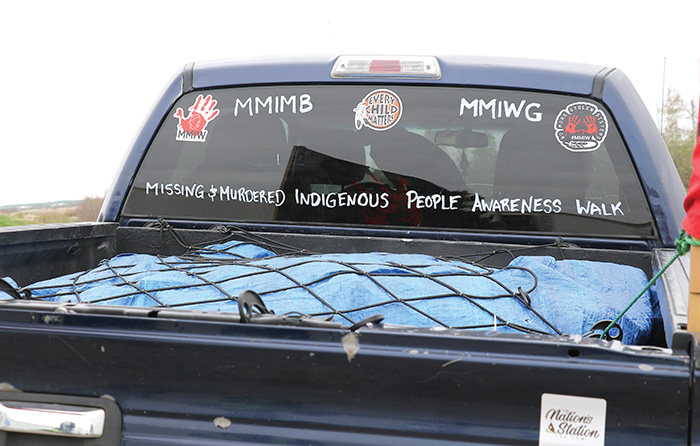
379 110
581 127
192 127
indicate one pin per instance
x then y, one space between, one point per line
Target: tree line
678 124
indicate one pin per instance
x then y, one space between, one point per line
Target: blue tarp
408 289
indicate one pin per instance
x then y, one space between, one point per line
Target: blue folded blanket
568 296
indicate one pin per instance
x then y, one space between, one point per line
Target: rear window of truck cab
437 158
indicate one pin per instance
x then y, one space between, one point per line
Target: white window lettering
291 101
603 209
305 104
483 105
267 102
224 193
498 109
273 104
341 199
246 104
512 110
527 205
435 201
468 105
533 116
215 192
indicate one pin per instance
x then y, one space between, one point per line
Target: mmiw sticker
572 420
379 110
581 127
191 128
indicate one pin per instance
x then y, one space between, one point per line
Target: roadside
70 211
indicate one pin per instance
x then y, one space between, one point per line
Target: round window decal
581 127
379 110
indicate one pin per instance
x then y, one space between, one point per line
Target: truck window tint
400 156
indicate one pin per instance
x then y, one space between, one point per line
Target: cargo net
406 289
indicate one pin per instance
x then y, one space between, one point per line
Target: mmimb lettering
273 105
501 109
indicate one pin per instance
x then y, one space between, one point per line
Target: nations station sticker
581 127
572 420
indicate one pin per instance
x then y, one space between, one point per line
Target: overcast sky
79 77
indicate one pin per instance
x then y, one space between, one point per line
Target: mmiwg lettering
498 109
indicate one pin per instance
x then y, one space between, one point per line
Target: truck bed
220 379
91 244
74 247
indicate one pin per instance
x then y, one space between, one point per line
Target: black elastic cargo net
199 262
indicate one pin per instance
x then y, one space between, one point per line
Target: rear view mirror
462 139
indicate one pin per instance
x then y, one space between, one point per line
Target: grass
58 212
37 216
9 220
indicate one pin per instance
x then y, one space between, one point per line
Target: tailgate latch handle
51 419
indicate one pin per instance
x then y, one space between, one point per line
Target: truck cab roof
575 78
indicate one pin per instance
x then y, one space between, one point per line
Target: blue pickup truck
363 250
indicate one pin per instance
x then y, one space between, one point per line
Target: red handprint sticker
192 127
581 127
572 124
591 126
